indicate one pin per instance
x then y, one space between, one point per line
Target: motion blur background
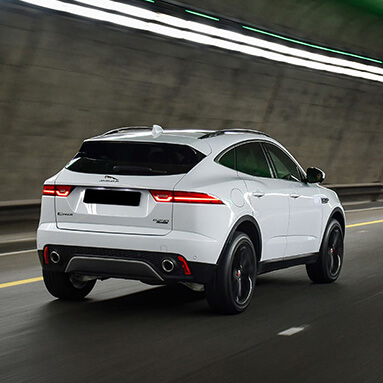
65 78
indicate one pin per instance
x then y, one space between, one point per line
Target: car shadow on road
160 301
175 300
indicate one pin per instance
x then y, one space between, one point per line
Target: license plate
112 197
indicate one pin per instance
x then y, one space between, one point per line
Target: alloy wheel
335 252
243 268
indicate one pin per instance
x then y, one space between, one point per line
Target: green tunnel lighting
149 1
202 15
311 45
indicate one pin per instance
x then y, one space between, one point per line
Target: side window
228 159
251 160
284 165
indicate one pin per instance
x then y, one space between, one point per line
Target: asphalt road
128 332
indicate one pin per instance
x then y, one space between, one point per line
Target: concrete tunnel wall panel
67 78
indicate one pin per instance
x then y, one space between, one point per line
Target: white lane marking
293 330
17 252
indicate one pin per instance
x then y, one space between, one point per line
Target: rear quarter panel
213 221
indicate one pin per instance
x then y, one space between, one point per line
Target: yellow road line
365 223
39 279
22 282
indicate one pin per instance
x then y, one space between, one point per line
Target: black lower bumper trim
131 269
128 264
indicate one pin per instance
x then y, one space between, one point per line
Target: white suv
210 209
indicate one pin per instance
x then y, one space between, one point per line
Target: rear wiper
137 169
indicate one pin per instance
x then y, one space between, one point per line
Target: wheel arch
337 214
248 225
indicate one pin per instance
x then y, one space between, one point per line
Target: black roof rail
123 129
216 133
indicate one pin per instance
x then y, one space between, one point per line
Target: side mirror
315 175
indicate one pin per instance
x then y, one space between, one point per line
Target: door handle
258 194
295 196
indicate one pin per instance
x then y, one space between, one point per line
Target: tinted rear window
228 159
134 158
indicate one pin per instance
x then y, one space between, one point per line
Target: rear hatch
111 183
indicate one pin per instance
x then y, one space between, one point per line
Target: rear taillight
190 197
49 190
184 197
63 191
162 195
57 190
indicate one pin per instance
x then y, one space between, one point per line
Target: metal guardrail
19 211
358 193
29 210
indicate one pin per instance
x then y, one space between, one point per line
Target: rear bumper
194 247
127 264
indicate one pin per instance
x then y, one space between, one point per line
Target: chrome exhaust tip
167 265
54 257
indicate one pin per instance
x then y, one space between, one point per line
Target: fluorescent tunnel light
203 34
221 33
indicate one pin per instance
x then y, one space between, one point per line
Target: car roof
206 141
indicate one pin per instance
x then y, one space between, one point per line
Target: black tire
232 287
329 264
65 286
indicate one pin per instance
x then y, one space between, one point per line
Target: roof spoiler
155 129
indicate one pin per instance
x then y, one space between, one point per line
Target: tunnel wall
64 79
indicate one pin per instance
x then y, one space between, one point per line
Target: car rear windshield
134 158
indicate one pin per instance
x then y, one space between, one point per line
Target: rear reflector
184 197
46 255
184 265
57 190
